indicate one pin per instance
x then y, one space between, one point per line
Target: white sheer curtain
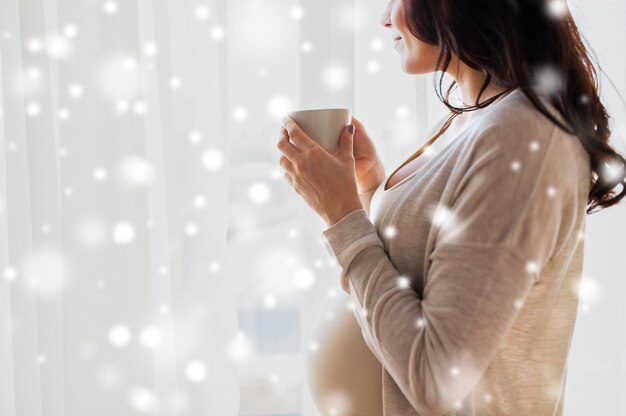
153 260
114 299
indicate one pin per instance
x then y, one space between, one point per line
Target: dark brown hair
511 41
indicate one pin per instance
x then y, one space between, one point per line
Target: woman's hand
325 180
370 171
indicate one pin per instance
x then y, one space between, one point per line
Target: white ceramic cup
323 125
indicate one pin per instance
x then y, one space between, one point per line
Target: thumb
346 140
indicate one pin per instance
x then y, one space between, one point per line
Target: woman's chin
414 68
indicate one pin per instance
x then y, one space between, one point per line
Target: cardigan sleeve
498 232
366 199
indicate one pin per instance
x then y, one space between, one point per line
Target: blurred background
153 260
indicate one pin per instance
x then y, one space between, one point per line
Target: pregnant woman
462 265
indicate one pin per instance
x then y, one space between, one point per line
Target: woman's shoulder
518 126
516 115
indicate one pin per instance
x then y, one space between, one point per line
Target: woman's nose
384 19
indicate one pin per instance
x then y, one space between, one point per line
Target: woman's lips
396 42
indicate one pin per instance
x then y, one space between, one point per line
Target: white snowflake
110 7
404 282
202 12
196 371
548 80
123 233
119 335
297 12
151 337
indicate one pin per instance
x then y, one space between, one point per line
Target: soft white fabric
469 304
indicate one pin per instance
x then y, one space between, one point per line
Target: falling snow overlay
153 259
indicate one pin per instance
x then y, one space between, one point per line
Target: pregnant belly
344 376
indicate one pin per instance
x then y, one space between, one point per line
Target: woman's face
417 57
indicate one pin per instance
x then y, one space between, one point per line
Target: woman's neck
470 82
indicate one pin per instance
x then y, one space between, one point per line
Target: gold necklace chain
444 128
430 141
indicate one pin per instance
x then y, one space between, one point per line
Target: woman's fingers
299 137
357 123
289 179
285 146
286 164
